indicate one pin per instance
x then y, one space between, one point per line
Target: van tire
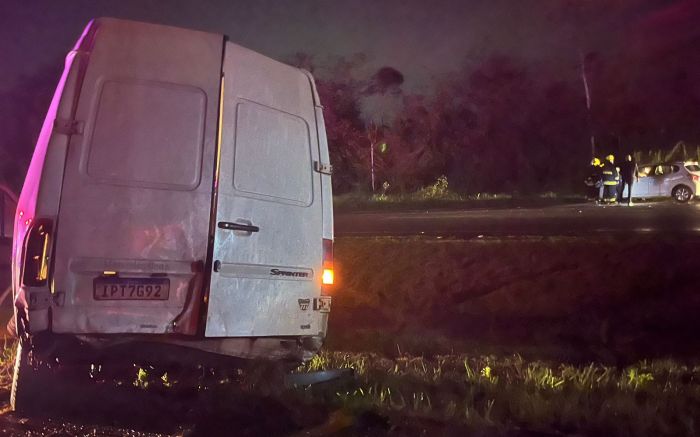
27 384
682 193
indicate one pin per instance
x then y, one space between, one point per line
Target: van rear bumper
83 349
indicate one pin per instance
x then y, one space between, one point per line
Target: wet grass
401 395
7 361
433 326
507 394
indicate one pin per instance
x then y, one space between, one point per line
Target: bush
438 190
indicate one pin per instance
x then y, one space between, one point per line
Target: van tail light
695 178
328 276
37 253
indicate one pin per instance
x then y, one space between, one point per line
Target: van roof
86 41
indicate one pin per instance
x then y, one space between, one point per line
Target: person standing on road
611 177
629 172
594 180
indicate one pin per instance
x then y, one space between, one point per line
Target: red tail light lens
328 276
695 177
37 254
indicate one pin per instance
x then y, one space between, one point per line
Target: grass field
526 337
402 395
420 201
439 196
509 394
570 299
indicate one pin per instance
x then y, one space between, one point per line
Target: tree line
503 124
507 126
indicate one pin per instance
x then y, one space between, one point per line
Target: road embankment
609 299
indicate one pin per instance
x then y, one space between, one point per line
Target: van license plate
131 288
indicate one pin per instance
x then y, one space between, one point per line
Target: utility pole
372 136
587 90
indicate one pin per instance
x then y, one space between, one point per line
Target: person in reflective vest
611 178
594 180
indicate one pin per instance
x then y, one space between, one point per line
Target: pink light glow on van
27 204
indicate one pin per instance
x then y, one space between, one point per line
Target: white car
679 180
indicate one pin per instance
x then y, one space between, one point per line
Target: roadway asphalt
583 219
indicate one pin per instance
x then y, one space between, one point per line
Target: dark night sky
641 56
422 39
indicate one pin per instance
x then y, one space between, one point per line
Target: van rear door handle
238 227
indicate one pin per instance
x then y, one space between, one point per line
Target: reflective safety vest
611 176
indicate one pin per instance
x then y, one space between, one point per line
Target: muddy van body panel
324 161
264 281
41 192
173 156
136 195
326 185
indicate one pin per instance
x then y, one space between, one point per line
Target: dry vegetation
451 337
569 299
438 195
660 397
404 395
7 360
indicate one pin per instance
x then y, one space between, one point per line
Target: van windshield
692 167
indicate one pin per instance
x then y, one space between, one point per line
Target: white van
179 196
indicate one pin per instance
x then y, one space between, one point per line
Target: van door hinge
323 168
68 127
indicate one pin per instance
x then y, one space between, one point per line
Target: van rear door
267 252
133 223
